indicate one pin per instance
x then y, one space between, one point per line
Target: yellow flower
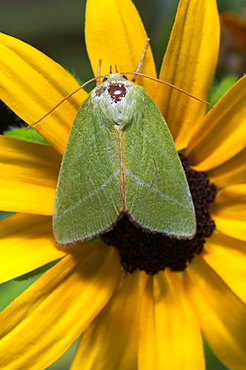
127 321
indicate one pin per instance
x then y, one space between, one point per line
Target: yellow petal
28 176
115 34
169 337
221 313
32 84
221 135
231 172
57 308
227 256
189 63
229 211
26 243
111 341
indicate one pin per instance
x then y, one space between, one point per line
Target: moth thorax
117 92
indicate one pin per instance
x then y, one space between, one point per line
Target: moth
120 159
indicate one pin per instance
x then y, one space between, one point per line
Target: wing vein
101 187
154 189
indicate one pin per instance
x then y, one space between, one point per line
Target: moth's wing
88 197
156 190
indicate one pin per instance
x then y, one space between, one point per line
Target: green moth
121 159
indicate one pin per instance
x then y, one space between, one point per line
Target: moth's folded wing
156 189
88 197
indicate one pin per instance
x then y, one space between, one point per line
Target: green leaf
30 135
222 88
37 272
4 215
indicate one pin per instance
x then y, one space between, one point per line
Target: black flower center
140 250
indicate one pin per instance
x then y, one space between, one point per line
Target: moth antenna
124 73
110 69
98 72
168 84
140 63
64 99
116 69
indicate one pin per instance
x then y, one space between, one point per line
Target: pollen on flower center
140 250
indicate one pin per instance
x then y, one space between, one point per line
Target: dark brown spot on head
100 90
117 92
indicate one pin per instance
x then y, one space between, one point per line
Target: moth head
115 77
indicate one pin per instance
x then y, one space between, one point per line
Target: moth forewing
121 159
156 190
88 197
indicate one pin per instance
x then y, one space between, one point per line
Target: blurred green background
56 28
